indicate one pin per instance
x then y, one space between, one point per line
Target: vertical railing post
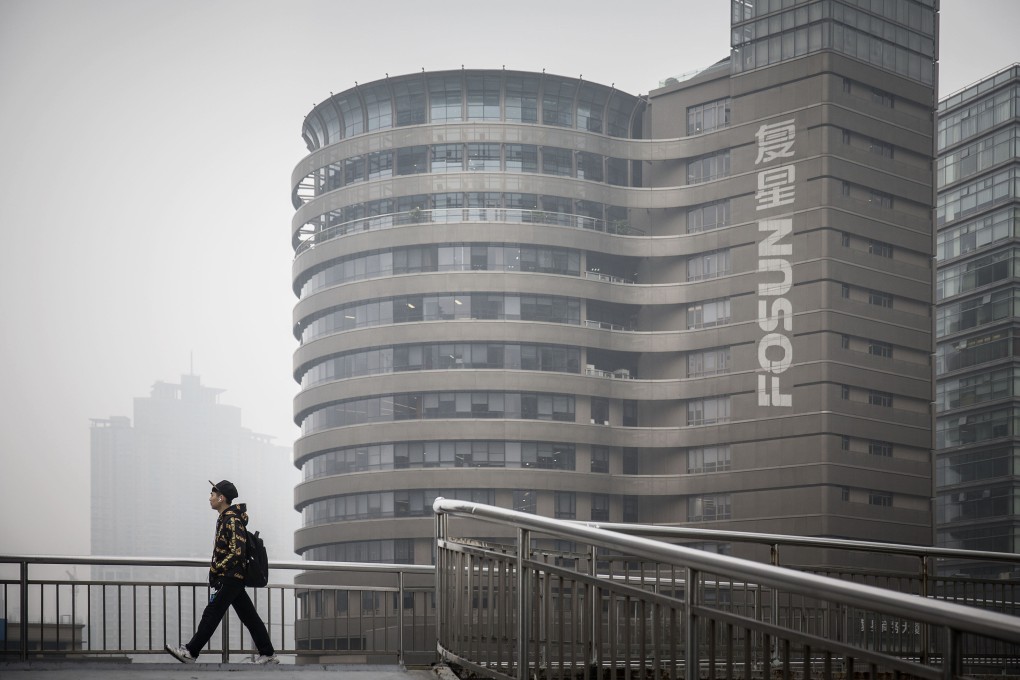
225 634
595 606
441 529
925 593
951 660
774 651
23 608
523 603
400 618
692 666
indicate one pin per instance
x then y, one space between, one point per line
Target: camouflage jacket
231 544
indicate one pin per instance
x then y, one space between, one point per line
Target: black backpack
256 563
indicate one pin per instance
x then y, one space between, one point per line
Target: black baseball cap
226 488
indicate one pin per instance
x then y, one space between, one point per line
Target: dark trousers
231 593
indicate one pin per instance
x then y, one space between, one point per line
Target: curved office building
466 267
708 305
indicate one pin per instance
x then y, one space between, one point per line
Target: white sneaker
264 660
180 653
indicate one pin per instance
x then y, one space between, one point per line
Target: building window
845 239
525 500
447 158
599 507
844 341
599 411
708 411
708 459
846 136
709 313
844 443
590 166
880 498
880 199
847 85
883 98
708 362
630 509
629 407
599 459
630 461
708 508
876 398
708 265
844 493
880 349
566 505
880 298
844 291
844 392
556 161
544 455
411 160
880 148
709 167
617 171
708 216
879 248
521 158
483 157
707 117
883 449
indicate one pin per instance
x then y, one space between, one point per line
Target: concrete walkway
70 670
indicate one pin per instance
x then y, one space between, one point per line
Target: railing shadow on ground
582 601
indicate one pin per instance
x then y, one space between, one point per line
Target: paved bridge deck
81 670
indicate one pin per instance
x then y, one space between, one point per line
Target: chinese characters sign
776 188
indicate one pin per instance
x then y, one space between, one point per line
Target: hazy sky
145 156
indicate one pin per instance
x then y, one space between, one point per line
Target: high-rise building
978 306
150 490
709 305
182 437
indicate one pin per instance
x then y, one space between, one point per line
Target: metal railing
133 606
551 603
593 596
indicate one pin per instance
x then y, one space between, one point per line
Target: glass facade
443 307
436 405
443 356
463 97
441 454
443 258
446 208
898 37
977 356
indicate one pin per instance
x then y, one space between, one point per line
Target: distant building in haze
977 355
150 489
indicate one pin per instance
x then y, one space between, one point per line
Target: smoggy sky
145 156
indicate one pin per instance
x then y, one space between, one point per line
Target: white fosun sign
776 188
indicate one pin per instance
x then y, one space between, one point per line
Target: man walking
226 576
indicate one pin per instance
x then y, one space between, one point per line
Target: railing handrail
98 560
970 619
805 541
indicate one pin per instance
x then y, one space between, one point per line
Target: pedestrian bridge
540 598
